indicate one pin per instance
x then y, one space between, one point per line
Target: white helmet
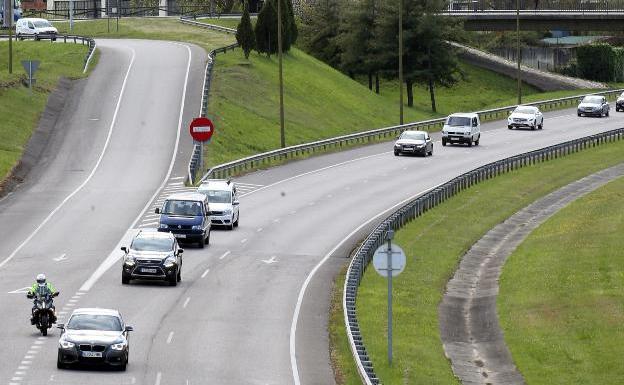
41 279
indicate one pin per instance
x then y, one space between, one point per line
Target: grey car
414 142
94 336
593 105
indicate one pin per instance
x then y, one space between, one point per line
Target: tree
320 29
245 35
355 40
266 29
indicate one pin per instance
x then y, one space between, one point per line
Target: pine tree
245 35
266 29
320 29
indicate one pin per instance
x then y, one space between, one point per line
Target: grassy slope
154 29
433 254
19 109
562 292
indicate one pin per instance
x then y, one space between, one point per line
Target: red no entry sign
201 129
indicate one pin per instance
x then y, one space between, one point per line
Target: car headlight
421 145
170 261
163 226
119 346
130 260
227 211
197 227
397 145
66 344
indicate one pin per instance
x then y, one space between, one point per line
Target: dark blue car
187 217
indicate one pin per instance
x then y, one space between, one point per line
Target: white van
223 201
462 128
37 28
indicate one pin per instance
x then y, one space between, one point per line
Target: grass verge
434 244
19 108
562 291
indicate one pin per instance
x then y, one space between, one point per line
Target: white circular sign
380 260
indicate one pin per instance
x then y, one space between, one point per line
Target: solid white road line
95 167
114 256
169 337
243 240
247 184
158 378
205 273
186 302
293 325
224 255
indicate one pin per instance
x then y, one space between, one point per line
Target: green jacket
33 289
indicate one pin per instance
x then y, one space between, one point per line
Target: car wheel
173 281
579 114
396 153
53 39
125 279
237 219
36 37
478 139
443 142
510 127
431 152
470 143
123 367
607 114
207 240
59 364
541 126
179 275
533 127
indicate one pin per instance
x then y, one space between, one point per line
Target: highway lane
112 151
231 318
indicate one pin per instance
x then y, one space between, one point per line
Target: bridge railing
535 6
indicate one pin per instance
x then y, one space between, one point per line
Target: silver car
94 336
526 116
593 105
414 142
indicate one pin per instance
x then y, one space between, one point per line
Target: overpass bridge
500 15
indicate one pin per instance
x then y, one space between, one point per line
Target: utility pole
519 73
401 61
281 79
8 17
71 15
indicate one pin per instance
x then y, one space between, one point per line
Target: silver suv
223 201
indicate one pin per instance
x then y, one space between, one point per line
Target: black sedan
152 255
94 336
414 142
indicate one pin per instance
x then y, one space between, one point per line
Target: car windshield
524 110
458 121
107 323
152 244
592 99
413 135
180 207
218 196
42 24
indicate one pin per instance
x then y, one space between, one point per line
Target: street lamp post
519 72
401 61
281 79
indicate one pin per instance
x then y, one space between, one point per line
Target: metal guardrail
249 163
72 39
422 204
535 6
195 163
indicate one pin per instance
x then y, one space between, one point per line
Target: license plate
92 354
144 270
180 235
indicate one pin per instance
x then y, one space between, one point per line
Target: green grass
148 28
562 294
433 254
20 110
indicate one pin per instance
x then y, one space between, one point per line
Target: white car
223 201
526 116
37 28
462 128
619 104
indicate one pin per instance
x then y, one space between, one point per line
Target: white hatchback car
37 28
526 116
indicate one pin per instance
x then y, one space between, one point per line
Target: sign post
201 130
389 261
30 66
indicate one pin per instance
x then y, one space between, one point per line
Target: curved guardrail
72 39
229 169
422 204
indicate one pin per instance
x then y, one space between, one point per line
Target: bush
597 62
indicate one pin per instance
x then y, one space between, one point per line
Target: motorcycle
43 313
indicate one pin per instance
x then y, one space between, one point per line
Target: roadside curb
469 328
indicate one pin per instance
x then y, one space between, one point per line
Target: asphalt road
252 307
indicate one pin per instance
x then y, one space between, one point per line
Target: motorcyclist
41 282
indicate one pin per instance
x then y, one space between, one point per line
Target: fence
422 204
526 6
249 163
71 39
